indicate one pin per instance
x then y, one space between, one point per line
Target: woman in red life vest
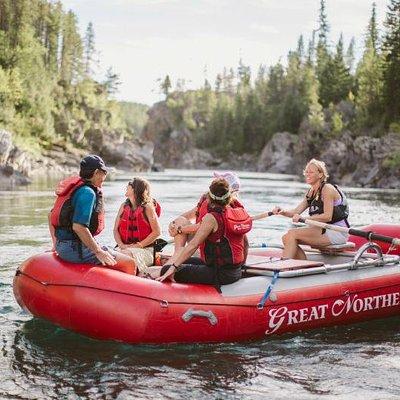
185 226
325 203
136 226
221 239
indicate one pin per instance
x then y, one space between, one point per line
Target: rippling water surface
40 360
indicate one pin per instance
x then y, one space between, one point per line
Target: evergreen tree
341 80
53 35
71 50
324 59
244 74
369 78
372 31
349 59
166 86
391 46
89 49
218 83
112 81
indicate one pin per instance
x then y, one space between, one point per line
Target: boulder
277 155
135 154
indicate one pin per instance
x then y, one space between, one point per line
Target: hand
168 275
135 246
296 218
105 257
277 210
123 246
173 229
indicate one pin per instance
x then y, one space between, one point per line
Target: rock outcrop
353 161
18 167
277 155
174 147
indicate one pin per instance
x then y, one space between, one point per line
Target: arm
189 215
154 224
116 234
302 206
83 208
52 231
87 239
208 225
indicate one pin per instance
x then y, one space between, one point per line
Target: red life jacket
202 207
62 211
133 225
225 246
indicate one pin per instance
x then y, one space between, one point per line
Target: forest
322 89
48 93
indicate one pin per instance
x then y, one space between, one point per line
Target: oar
369 235
262 215
160 243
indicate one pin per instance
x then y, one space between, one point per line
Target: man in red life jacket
78 216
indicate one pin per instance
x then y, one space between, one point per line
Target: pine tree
166 86
89 49
391 46
324 59
53 36
369 78
218 83
71 50
349 59
112 81
372 31
244 74
341 80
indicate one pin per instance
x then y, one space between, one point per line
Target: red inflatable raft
328 289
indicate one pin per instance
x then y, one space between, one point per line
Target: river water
41 361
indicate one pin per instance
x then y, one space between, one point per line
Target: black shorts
194 271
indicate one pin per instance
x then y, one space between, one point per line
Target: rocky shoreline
354 161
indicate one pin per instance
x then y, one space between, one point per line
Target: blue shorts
68 250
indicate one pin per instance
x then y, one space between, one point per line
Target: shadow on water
78 366
81 364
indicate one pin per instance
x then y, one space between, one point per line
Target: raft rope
262 302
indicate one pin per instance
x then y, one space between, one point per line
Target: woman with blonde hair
326 203
136 226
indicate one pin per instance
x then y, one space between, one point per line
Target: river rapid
41 361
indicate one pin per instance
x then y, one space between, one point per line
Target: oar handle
369 235
262 215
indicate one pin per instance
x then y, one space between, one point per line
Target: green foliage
394 127
46 92
135 116
392 161
320 90
391 66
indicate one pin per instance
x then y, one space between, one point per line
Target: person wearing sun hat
221 238
78 216
231 178
185 226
